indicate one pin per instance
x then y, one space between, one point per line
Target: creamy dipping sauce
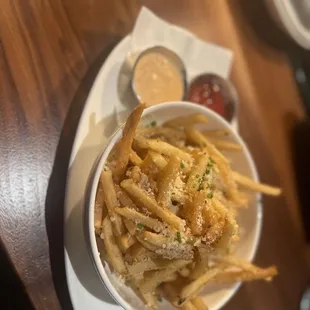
157 79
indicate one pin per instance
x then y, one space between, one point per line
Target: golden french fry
197 174
198 303
166 132
166 182
111 201
217 133
195 286
235 261
250 184
231 227
147 264
145 201
135 158
193 211
183 121
134 252
201 265
153 278
125 242
166 247
162 148
158 160
99 210
124 146
196 137
141 219
227 277
225 145
113 251
124 199
131 226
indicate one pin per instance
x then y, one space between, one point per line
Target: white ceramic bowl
249 219
289 14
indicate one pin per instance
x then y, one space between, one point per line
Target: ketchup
214 93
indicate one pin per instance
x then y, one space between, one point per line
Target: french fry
198 303
153 278
124 146
216 133
134 252
166 247
146 265
227 277
225 145
166 181
141 219
124 199
145 201
196 175
125 242
195 286
198 138
189 306
111 202
158 160
183 121
113 251
201 265
99 210
130 225
155 132
231 225
234 261
162 147
193 211
249 184
135 158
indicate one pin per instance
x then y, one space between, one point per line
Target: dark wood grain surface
50 51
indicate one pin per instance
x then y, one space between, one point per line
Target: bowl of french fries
173 210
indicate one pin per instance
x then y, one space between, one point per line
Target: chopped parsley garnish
211 160
201 187
197 175
182 166
210 195
139 226
179 237
153 124
207 171
195 185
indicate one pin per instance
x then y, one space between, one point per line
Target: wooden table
50 51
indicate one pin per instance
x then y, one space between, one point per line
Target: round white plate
98 121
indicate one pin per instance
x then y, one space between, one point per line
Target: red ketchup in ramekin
214 93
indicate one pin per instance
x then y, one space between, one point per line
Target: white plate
249 219
98 121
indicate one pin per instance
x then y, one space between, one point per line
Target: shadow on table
54 204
